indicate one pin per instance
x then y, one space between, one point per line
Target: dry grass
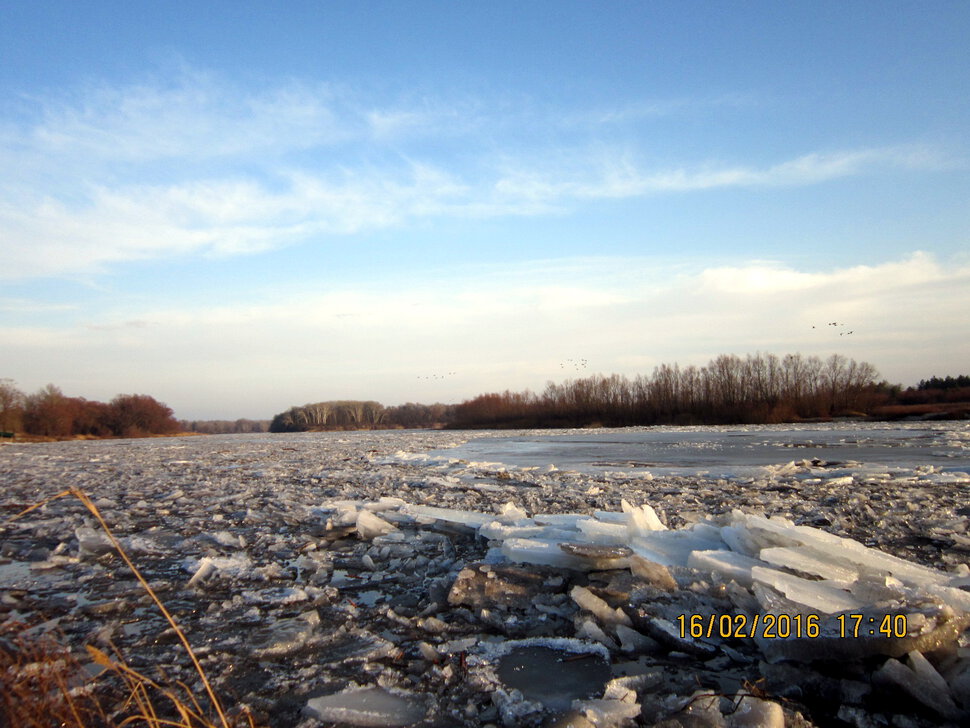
42 684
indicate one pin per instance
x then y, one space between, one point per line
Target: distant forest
50 413
756 389
357 415
759 388
224 427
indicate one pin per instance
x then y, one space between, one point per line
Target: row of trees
760 388
360 415
50 413
937 390
224 427
948 382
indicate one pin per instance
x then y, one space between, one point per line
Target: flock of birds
437 376
577 364
837 324
581 364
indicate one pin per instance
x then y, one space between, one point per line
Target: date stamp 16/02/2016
787 626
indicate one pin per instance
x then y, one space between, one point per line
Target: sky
240 206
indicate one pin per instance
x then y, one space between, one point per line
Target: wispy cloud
29 306
192 115
617 176
195 165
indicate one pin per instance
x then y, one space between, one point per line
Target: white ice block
370 525
753 712
561 520
497 531
543 553
471 519
608 713
598 608
609 534
670 548
374 707
805 560
641 520
513 514
728 564
817 596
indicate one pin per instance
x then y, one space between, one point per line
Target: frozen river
474 578
731 451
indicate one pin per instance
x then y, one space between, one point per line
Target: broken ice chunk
598 608
599 558
237 565
225 538
350 644
368 707
920 680
597 531
562 520
607 713
587 629
633 641
804 560
284 635
729 564
652 573
385 503
545 553
488 586
667 633
816 596
92 542
205 570
512 514
671 548
611 517
641 520
498 531
752 712
370 526
451 515
701 709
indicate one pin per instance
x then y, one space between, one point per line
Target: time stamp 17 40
787 626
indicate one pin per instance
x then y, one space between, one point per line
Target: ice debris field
761 576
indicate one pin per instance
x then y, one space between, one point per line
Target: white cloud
503 330
29 305
189 116
616 176
194 165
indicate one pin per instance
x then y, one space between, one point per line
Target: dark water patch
553 677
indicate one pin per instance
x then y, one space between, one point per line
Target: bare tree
12 402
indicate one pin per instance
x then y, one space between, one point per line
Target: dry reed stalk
39 684
33 703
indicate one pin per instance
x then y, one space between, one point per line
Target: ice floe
390 579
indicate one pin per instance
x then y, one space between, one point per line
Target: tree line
759 388
50 413
224 427
938 390
361 415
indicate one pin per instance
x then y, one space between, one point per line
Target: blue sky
244 206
